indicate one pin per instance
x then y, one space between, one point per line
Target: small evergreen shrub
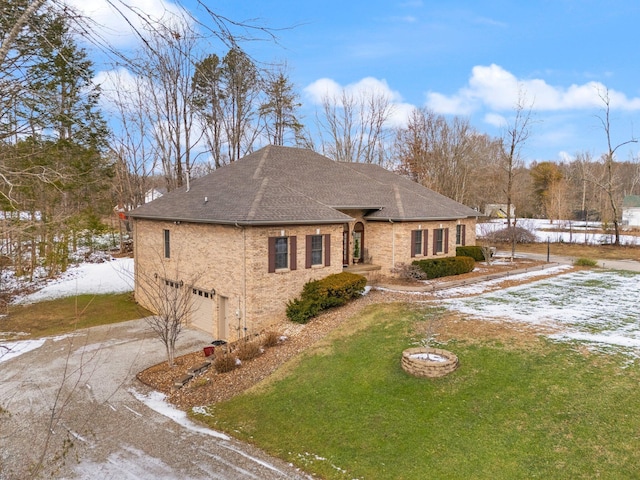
472 251
318 295
446 266
585 262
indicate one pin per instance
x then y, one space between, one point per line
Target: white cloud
113 26
495 120
498 89
328 88
324 88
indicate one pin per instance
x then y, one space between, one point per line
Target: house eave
418 219
242 223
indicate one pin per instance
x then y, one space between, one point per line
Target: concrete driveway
75 406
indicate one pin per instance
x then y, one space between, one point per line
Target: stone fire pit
428 362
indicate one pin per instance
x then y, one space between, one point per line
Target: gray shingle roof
284 185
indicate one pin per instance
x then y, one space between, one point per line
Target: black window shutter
435 242
272 254
464 235
425 239
293 258
307 251
327 250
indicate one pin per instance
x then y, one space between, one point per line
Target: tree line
177 110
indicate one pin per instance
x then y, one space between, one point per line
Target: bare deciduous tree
169 296
608 183
354 127
516 134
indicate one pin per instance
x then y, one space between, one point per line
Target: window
440 240
416 243
282 253
316 249
460 234
167 245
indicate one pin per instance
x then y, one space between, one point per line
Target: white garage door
202 316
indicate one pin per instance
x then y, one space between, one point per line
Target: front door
358 242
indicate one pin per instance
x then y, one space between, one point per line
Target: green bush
318 295
472 251
585 262
446 266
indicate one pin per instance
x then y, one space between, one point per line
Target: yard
529 400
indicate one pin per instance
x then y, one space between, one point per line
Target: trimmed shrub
318 295
473 251
446 266
585 262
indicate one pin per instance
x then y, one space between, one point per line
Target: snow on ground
156 401
9 350
115 276
573 231
593 306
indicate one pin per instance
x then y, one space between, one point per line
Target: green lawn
67 314
347 410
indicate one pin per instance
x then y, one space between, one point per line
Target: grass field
519 406
67 314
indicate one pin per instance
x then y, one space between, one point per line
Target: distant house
154 193
498 210
631 211
255 231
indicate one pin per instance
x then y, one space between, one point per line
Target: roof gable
284 185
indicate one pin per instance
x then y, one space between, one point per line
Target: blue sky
466 58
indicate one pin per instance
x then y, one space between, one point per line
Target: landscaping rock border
419 367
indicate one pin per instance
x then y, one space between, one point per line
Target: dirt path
101 428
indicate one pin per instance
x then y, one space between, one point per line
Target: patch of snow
432 357
115 276
9 350
156 401
589 306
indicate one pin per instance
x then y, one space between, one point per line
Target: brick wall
233 261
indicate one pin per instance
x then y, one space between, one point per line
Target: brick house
254 232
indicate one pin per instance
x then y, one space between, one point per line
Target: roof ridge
261 163
258 198
396 193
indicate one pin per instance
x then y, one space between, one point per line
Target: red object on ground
208 351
